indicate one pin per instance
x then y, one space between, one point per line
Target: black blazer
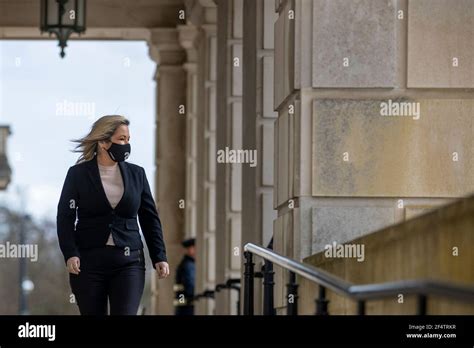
83 194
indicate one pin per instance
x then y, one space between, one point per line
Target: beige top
113 187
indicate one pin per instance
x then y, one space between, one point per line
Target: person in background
185 275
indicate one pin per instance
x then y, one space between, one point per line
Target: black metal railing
360 293
204 294
230 284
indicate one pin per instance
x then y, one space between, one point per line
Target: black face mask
119 152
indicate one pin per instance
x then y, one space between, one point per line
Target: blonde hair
102 129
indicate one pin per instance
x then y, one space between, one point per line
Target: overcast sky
97 78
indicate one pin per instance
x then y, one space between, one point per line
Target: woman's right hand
73 264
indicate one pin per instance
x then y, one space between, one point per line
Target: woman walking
103 250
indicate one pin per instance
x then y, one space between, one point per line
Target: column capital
164 46
209 29
201 12
189 40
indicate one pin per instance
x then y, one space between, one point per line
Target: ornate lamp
62 18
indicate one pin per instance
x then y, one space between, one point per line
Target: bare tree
51 294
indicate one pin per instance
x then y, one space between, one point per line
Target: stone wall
347 161
436 246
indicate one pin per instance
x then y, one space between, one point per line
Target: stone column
207 172
228 135
258 120
170 154
188 38
201 14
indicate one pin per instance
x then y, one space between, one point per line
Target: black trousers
109 274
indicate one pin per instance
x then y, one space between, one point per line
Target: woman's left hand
163 269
